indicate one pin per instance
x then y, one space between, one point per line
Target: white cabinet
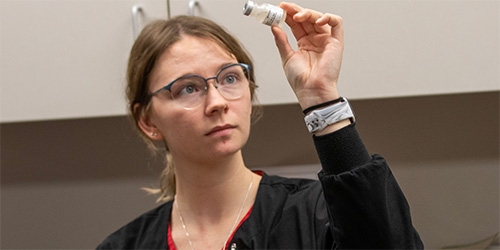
392 48
66 59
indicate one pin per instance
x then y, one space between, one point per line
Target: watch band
321 105
318 120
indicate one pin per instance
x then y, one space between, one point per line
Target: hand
313 70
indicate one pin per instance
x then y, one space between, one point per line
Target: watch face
313 126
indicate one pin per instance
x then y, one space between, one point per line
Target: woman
191 86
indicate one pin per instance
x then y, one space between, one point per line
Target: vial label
274 16
265 13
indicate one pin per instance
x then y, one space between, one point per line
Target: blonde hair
155 39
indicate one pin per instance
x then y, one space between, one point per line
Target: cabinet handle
135 20
192 5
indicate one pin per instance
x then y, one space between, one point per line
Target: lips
220 129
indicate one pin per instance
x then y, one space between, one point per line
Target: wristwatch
319 119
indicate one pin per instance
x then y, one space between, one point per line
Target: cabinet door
392 48
66 59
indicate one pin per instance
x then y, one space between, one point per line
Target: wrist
322 105
313 100
309 98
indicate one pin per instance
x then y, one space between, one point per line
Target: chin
226 148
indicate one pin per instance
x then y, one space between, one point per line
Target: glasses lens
188 91
233 81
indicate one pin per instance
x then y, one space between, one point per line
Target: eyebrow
222 65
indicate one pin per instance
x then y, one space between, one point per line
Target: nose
215 102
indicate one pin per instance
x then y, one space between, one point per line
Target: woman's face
215 129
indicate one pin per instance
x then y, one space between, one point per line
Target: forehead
193 52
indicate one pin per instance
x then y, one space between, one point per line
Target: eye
189 89
230 79
188 86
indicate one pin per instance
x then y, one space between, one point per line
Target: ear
147 126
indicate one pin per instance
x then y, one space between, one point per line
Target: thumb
282 44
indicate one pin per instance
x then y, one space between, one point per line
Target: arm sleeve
366 207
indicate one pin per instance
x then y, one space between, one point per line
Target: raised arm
367 208
313 70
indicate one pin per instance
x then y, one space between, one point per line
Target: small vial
265 13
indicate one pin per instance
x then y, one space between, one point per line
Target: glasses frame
169 85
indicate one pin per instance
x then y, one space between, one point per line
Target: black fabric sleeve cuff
341 150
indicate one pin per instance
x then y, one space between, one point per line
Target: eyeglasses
189 91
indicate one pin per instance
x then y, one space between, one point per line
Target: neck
212 199
211 190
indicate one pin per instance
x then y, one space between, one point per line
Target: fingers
336 24
282 44
306 21
296 27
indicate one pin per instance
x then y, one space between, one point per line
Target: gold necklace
234 224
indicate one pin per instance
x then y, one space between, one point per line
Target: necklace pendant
233 246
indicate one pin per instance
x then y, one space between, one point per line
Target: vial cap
247 9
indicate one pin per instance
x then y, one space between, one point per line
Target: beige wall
69 183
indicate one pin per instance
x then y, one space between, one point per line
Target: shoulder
275 180
144 232
272 186
287 208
